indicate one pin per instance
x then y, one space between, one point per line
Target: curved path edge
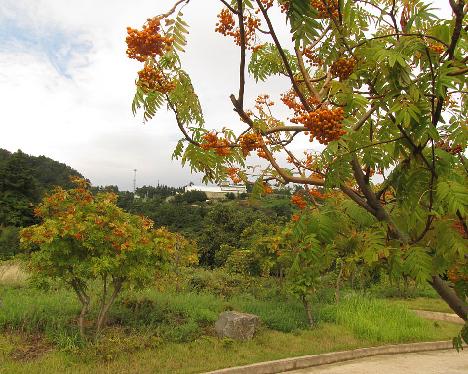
302 362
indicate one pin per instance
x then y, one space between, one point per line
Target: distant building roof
226 188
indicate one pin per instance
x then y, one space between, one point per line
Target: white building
218 192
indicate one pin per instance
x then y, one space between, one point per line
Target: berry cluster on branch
343 67
233 174
445 146
324 124
153 79
326 8
298 201
226 26
220 146
148 42
249 142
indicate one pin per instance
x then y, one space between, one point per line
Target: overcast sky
66 86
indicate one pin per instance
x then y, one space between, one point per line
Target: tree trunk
81 319
106 306
308 310
450 297
337 285
373 205
85 300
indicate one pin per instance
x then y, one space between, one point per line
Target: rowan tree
380 84
84 238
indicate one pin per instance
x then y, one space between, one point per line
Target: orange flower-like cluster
149 42
343 67
324 124
295 217
233 173
249 142
312 58
437 48
317 194
457 225
153 79
267 188
284 6
267 4
299 201
226 23
264 100
290 100
326 8
226 27
454 150
455 273
262 154
220 146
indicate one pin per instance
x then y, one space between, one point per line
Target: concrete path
435 362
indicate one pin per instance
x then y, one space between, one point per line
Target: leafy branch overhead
373 112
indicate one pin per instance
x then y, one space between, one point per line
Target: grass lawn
424 303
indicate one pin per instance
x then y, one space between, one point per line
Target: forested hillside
24 180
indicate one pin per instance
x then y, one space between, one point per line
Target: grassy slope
424 303
173 334
206 353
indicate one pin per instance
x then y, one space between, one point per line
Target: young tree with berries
380 84
84 238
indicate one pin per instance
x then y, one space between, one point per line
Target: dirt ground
435 362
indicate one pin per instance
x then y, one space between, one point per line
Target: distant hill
24 180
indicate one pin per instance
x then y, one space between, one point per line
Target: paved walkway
435 362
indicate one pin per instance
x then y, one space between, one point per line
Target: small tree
82 238
307 247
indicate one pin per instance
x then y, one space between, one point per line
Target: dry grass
12 274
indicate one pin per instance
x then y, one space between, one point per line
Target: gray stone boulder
236 325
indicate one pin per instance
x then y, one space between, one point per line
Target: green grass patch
380 321
423 303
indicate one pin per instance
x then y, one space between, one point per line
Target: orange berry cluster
267 188
267 4
153 79
299 201
264 100
326 8
290 100
343 67
457 225
317 194
312 58
149 42
262 154
324 124
226 24
445 146
233 173
284 6
249 142
437 48
211 141
455 274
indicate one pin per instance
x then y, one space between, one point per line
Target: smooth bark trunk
450 297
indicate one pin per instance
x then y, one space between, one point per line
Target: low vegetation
147 328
